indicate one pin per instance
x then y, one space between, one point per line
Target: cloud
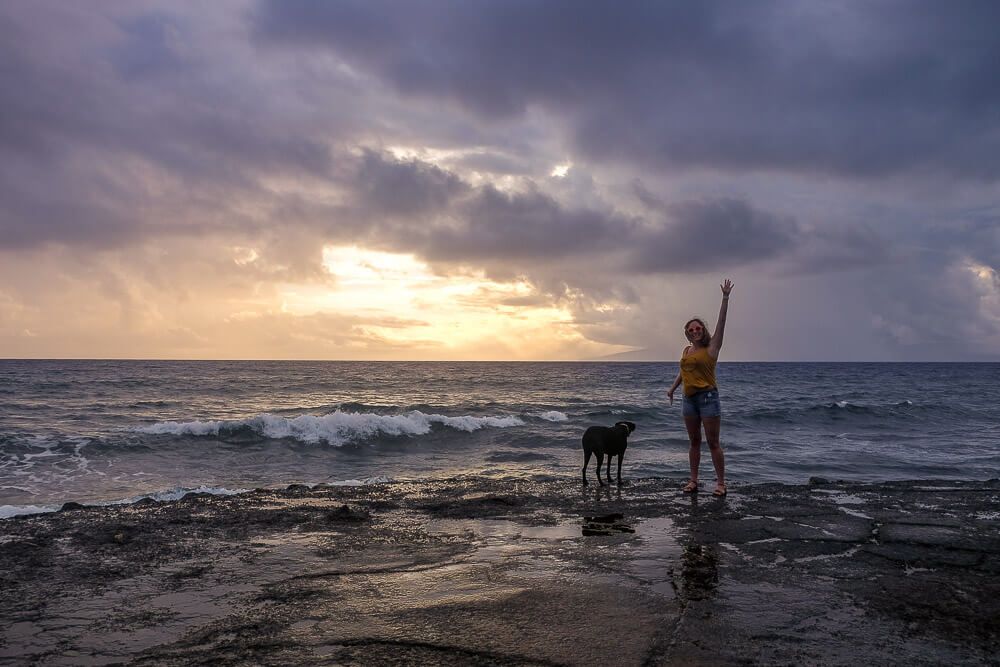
530 225
839 248
852 90
164 167
110 137
404 188
453 221
710 235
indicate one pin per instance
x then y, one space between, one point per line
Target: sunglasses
696 330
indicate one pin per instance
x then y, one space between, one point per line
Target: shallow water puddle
286 552
535 549
843 501
647 552
502 528
654 555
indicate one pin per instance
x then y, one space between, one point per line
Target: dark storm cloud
121 98
974 234
138 130
714 234
833 249
452 221
36 113
449 220
151 46
45 203
496 58
408 188
106 125
649 199
525 225
862 89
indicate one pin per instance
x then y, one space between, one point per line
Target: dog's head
628 426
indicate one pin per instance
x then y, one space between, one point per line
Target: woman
701 394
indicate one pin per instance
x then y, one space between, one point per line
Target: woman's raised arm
715 345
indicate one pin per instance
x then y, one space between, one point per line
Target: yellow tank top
697 371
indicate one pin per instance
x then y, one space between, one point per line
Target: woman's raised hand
727 287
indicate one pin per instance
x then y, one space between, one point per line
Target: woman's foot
691 487
720 490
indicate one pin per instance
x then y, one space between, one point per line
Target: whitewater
115 431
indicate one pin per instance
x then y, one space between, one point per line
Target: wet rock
474 506
488 500
191 572
605 524
590 529
787 575
347 514
297 489
71 507
100 535
143 502
931 535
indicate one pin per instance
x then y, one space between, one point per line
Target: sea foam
7 511
336 428
176 493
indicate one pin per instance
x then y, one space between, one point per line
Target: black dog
602 440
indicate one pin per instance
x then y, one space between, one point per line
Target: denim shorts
703 404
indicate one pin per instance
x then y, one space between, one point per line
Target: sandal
690 487
720 490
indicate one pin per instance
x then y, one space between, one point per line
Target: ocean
117 431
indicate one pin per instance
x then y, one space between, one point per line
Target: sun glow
561 170
402 301
986 274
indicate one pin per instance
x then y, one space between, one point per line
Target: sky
558 180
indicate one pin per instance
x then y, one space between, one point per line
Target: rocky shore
475 571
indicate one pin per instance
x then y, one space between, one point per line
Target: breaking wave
336 428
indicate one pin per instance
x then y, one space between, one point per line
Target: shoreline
176 493
512 572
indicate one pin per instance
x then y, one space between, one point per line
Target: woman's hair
706 338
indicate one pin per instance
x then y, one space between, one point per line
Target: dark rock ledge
472 571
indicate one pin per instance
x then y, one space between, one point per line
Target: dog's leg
600 461
586 462
620 457
608 475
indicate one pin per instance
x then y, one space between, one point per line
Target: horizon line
516 361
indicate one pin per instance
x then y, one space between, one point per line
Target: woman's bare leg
712 428
693 425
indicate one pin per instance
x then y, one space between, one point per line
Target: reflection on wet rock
606 524
699 575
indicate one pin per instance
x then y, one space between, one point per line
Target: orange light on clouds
407 303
